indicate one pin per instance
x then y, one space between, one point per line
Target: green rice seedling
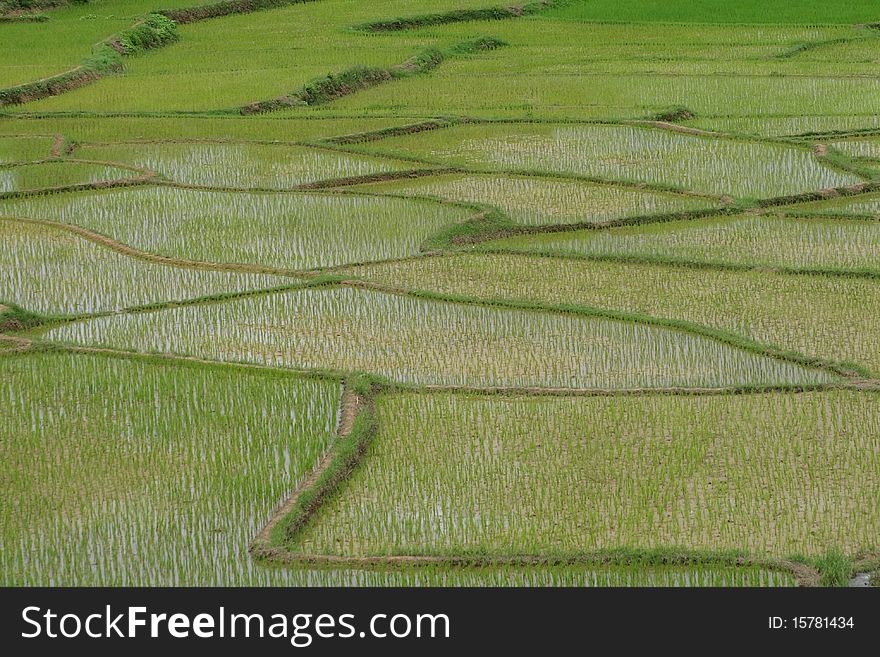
537 201
124 472
621 41
762 241
786 126
139 452
629 154
868 147
863 206
774 474
280 50
58 174
590 576
420 341
31 51
860 49
272 128
709 11
50 271
574 70
832 318
162 471
617 90
241 165
291 231
14 148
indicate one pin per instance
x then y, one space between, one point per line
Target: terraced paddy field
56 173
121 130
817 316
418 341
789 126
536 201
623 153
130 467
282 231
499 475
240 165
753 241
50 271
347 293
865 206
24 148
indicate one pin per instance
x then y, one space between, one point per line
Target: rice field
860 49
423 342
149 474
50 271
572 70
229 62
467 474
541 201
862 206
787 126
290 231
280 128
240 165
627 89
624 153
596 576
174 348
58 173
868 148
760 241
24 148
831 318
703 11
72 31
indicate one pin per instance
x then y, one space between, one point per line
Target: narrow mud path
350 404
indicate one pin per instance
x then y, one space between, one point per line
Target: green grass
760 241
629 154
106 459
289 231
720 11
58 173
50 271
836 568
240 165
496 475
14 318
831 318
421 341
537 201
